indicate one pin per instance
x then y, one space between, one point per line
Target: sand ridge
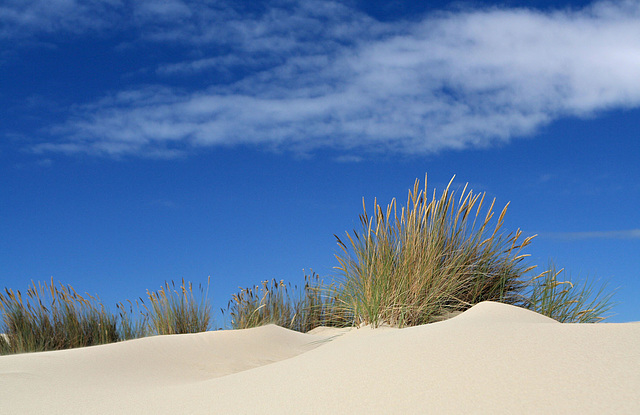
493 358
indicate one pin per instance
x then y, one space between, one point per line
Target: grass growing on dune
255 306
276 302
53 318
132 324
48 317
406 266
177 311
433 257
566 301
436 257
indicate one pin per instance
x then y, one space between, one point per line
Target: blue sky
144 141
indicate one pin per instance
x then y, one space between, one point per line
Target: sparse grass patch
133 327
260 305
177 311
276 302
566 301
321 305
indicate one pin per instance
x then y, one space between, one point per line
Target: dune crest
494 312
493 358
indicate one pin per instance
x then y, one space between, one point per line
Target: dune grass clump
433 257
321 305
276 302
53 318
566 301
56 318
260 305
437 256
177 311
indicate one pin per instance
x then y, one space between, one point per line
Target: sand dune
493 358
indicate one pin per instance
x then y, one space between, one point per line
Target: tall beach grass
434 256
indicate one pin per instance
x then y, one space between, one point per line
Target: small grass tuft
130 327
276 302
568 302
176 311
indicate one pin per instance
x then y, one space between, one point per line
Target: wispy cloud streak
306 75
25 18
624 234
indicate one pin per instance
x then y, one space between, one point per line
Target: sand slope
493 358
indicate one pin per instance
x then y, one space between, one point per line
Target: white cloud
318 74
624 234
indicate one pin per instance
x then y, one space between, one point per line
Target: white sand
494 358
